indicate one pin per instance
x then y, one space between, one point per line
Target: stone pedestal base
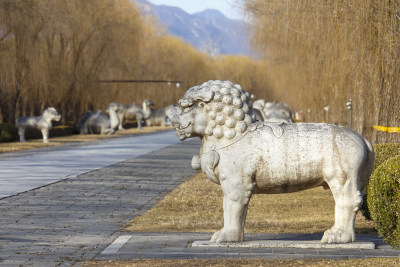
284 244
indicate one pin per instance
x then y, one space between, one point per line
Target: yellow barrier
387 129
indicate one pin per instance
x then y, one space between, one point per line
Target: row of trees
324 52
316 54
53 53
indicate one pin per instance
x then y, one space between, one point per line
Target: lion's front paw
337 236
215 236
226 236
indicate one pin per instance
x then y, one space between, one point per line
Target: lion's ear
192 96
206 96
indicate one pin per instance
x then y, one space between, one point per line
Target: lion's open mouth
181 130
181 127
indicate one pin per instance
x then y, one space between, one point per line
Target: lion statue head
215 108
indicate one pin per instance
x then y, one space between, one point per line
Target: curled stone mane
229 107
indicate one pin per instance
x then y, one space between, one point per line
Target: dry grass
55 141
184 210
249 262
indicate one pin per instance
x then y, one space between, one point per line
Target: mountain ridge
208 30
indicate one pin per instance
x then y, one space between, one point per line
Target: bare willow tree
54 53
91 41
20 23
322 53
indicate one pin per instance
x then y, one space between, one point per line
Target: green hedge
384 200
9 132
382 153
61 130
385 151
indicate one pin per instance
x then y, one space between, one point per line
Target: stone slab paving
180 246
77 218
26 170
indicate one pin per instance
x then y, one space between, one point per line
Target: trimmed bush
385 151
384 200
55 131
382 153
62 130
32 133
9 132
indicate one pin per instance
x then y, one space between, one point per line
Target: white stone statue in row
133 111
116 122
43 123
155 116
152 117
100 123
273 112
247 157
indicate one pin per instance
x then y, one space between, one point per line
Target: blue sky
228 7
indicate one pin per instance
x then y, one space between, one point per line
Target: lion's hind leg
348 200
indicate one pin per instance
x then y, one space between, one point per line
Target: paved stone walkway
77 218
80 218
26 170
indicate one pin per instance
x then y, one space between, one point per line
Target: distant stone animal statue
120 112
154 117
273 112
247 157
100 123
133 111
95 123
82 124
258 105
259 114
43 123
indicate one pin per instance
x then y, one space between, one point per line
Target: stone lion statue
43 123
247 157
